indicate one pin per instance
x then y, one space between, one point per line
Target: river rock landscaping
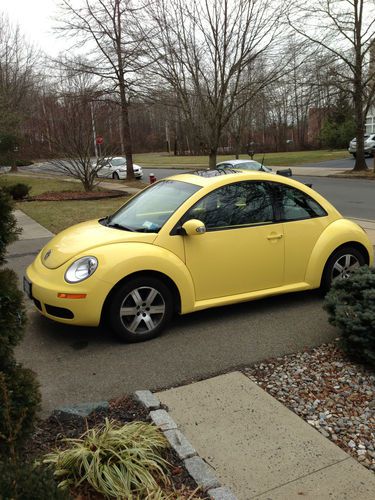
332 393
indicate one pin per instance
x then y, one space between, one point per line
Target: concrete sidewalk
259 448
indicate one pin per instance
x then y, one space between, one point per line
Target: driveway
76 364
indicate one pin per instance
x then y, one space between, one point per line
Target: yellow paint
213 269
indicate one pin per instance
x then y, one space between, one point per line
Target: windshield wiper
120 226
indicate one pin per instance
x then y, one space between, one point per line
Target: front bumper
46 284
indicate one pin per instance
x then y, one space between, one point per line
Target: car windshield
148 211
249 165
116 162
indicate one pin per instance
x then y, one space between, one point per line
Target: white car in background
115 168
251 165
369 145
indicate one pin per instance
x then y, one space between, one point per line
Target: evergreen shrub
24 481
350 304
18 191
8 226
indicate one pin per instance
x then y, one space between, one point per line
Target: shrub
116 461
12 316
18 191
351 307
8 226
23 481
24 163
19 403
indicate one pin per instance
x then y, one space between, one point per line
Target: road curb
202 473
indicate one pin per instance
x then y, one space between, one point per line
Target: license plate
27 287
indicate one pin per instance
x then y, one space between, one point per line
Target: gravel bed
332 393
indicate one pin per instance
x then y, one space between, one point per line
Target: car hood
85 237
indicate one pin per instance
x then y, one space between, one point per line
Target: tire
354 155
115 176
340 265
140 309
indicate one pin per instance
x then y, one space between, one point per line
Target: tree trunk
13 163
126 134
212 158
360 162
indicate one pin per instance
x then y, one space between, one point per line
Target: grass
40 184
118 462
159 160
58 215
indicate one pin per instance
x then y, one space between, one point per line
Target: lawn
283 159
40 184
57 215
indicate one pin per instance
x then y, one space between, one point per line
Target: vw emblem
47 255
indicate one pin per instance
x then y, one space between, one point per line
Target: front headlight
81 269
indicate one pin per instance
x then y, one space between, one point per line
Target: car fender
336 234
118 261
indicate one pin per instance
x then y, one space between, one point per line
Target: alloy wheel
344 266
142 310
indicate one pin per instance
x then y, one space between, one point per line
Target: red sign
99 139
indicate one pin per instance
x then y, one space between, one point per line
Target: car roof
205 178
238 162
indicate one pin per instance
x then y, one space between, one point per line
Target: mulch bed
50 433
332 393
76 195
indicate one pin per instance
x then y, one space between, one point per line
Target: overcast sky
35 18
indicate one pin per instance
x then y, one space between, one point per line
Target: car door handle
274 236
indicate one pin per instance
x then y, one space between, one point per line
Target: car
252 165
369 145
115 168
190 242
244 165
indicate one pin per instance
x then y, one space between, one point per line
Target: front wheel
116 176
140 309
341 265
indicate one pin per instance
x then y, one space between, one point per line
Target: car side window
234 205
296 205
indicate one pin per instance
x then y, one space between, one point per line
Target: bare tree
345 29
18 79
204 49
113 52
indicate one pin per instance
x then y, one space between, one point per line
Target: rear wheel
116 176
140 309
341 265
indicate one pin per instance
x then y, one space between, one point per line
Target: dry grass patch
58 215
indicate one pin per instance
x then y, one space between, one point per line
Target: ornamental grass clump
351 307
117 461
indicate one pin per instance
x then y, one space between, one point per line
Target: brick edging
202 473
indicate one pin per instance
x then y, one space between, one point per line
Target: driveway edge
202 473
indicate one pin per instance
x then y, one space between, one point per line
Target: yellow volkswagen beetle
190 242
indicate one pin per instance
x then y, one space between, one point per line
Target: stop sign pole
99 141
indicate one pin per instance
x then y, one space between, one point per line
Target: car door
105 171
304 220
243 247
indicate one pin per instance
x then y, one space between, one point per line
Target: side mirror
287 172
193 227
